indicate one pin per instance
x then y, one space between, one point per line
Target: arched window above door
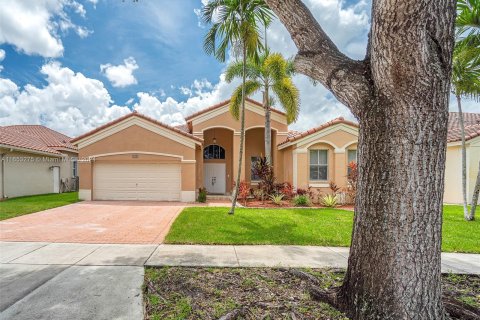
213 151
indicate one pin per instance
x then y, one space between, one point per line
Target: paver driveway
95 222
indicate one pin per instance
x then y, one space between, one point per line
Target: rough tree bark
399 93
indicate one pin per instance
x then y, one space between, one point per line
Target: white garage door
156 182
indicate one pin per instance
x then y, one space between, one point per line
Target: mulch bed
259 293
286 204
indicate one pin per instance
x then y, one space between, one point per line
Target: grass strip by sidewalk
282 226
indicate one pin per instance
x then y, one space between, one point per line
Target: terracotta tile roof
299 135
223 103
292 133
472 126
136 114
36 138
183 127
50 137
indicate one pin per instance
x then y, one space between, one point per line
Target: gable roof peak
226 102
141 116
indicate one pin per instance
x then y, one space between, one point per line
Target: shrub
264 171
287 190
278 187
277 198
259 194
301 200
333 186
352 177
305 192
329 201
243 191
202 195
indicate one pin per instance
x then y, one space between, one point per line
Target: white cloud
121 75
173 112
347 25
70 102
40 24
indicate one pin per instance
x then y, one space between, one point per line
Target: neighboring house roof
300 135
471 122
472 126
142 116
183 127
36 138
223 103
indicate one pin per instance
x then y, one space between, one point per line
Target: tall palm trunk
476 191
464 160
242 130
268 130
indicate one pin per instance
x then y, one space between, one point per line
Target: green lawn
23 205
320 227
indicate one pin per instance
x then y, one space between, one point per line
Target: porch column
340 168
199 168
236 150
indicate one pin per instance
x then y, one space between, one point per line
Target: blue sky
164 39
73 65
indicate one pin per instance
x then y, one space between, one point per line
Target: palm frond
289 98
276 66
234 21
251 86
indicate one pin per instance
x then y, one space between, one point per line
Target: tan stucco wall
30 173
453 175
337 145
287 167
453 171
225 119
199 167
474 160
138 139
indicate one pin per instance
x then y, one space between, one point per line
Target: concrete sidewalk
103 281
66 254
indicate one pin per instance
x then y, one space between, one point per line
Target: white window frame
251 167
318 165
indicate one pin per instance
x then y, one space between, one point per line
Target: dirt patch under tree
263 293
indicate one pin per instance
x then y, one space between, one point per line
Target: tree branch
320 59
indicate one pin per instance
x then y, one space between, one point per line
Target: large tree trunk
399 93
476 192
466 215
242 131
268 126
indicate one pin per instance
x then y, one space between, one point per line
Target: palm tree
466 72
270 71
235 22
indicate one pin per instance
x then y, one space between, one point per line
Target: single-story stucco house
138 158
35 160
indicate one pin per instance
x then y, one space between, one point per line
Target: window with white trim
352 156
74 167
253 161
319 165
213 151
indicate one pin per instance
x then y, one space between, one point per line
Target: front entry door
214 177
